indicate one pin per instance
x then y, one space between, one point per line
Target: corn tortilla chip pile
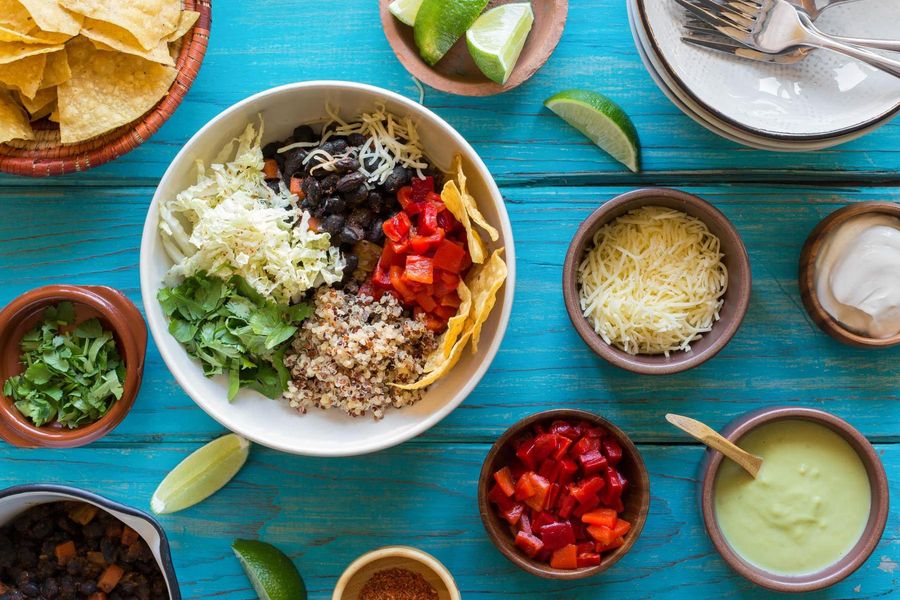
89 65
477 293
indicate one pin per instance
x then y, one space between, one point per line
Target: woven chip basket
45 156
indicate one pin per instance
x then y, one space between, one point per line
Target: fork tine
736 16
744 52
738 33
710 43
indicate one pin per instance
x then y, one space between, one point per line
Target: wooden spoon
749 462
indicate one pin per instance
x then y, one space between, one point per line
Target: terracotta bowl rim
399 551
723 330
131 338
870 536
810 254
641 486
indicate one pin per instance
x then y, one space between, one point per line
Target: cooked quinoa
349 351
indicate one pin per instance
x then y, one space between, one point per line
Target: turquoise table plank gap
85 228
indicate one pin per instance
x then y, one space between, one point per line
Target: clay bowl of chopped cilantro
71 361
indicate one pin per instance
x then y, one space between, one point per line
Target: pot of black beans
343 204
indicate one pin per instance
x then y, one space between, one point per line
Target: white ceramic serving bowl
273 423
822 101
16 500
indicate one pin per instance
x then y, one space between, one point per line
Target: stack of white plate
824 100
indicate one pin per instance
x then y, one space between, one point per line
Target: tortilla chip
469 202
149 21
187 20
42 99
454 202
13 51
14 17
455 328
50 16
107 90
39 37
441 369
56 71
14 123
54 116
107 36
485 281
24 75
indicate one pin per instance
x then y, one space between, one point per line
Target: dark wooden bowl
457 73
807 277
857 555
736 300
636 498
116 313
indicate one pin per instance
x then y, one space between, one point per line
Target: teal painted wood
86 229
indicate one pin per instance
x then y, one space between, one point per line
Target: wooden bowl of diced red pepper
564 494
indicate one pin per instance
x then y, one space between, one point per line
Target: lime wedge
405 10
440 23
602 121
496 39
273 575
201 474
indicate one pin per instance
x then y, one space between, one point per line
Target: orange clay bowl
456 72
45 156
636 498
116 313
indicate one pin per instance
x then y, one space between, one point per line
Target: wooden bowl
116 313
395 557
45 156
736 301
857 555
636 498
807 277
457 73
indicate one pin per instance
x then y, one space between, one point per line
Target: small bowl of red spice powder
396 573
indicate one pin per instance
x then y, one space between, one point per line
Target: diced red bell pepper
592 462
450 300
588 559
421 187
567 507
497 496
400 248
419 269
565 429
552 495
603 535
404 197
616 543
544 446
525 486
422 244
562 446
557 535
533 489
587 506
612 450
565 558
594 432
529 544
525 523
615 486
524 452
397 227
448 222
605 517
504 479
449 256
398 283
587 489
428 223
587 546
548 469
567 471
444 312
513 514
621 527
585 445
426 302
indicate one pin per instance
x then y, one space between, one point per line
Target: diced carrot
64 552
97 596
565 558
110 578
296 189
96 558
83 513
314 224
129 536
270 169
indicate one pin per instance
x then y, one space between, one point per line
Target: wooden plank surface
86 228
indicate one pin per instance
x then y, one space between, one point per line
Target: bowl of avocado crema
815 512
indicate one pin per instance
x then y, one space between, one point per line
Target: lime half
273 575
496 39
405 10
201 474
602 121
440 23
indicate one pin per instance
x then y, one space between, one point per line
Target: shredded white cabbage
231 223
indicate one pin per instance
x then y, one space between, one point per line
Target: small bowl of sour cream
815 512
850 274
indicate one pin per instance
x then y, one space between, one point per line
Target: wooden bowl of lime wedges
473 47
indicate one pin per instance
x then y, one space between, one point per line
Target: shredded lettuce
231 223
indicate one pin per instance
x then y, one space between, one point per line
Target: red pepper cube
605 517
529 544
525 486
566 430
513 514
544 446
421 187
397 227
588 559
449 256
557 535
615 486
419 269
541 519
548 469
587 506
504 479
612 450
567 506
448 222
524 452
423 244
567 471
592 462
565 558
603 535
584 445
428 222
621 527
588 489
562 446
525 523
552 495
616 543
538 500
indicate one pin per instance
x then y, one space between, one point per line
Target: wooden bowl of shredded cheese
656 281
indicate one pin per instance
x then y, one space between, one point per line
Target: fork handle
890 45
814 37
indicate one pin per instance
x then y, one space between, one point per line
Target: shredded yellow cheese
653 281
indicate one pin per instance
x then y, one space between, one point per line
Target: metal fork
773 26
814 8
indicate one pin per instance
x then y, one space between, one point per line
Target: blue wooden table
85 229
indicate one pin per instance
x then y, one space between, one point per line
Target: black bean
50 588
67 586
398 178
304 133
376 232
361 217
357 195
346 164
333 224
375 201
311 188
350 181
87 587
352 262
356 139
270 150
327 147
293 162
371 163
335 206
351 234
328 184
30 590
338 145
